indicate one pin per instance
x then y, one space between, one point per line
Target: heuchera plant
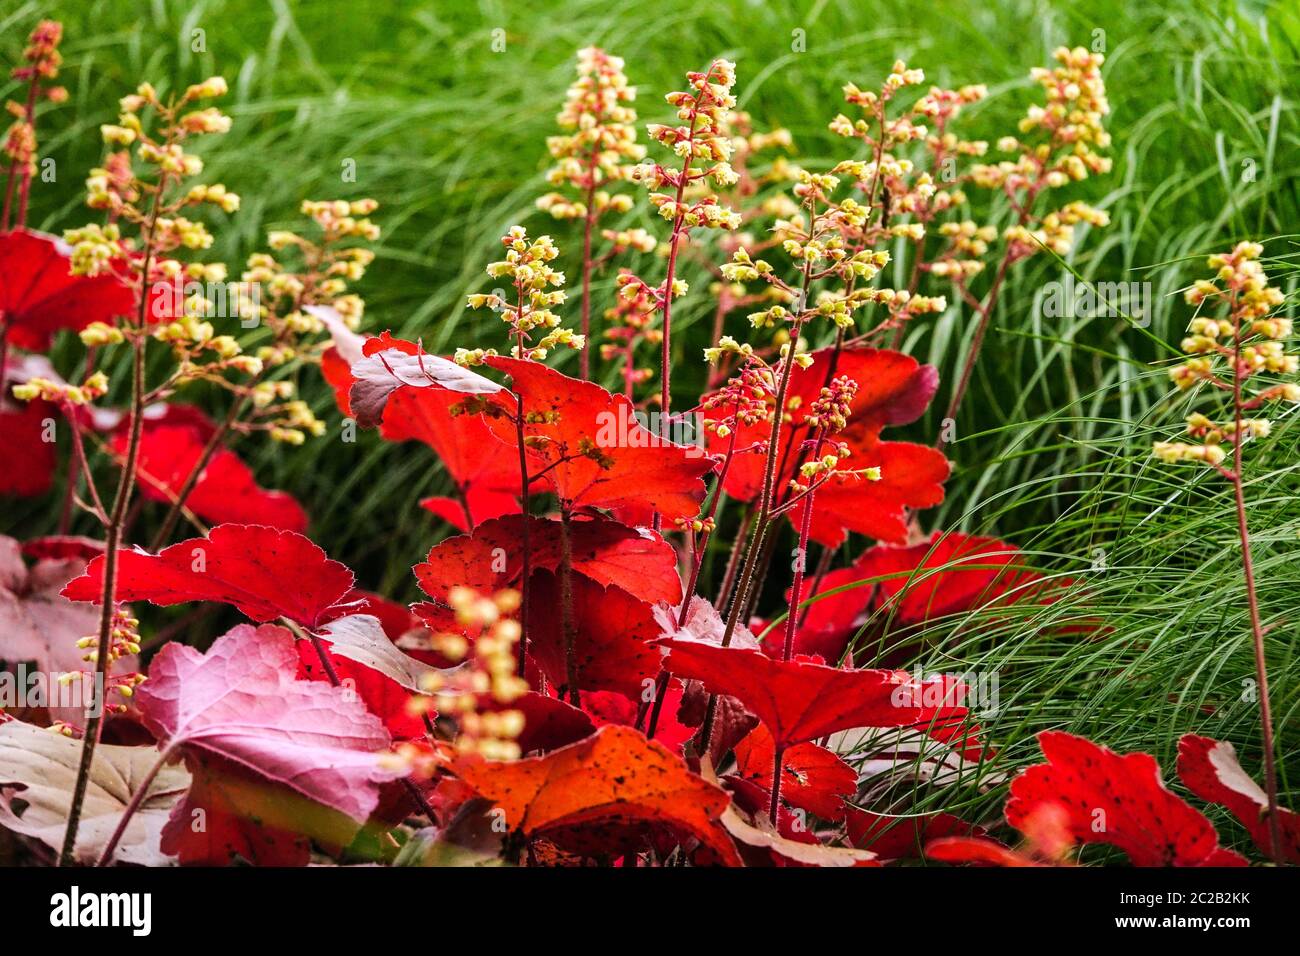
567 673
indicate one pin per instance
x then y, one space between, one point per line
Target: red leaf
39 294
1209 769
607 707
391 365
230 828
479 463
484 469
977 850
949 574
549 723
226 490
381 695
613 631
595 452
911 478
635 559
903 837
812 778
1114 799
478 505
827 624
26 459
610 783
263 572
893 389
242 702
799 700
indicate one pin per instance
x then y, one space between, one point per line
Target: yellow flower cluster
1061 144
536 284
486 675
601 143
50 390
704 147
1247 340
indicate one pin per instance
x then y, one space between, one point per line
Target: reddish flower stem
791 624
589 225
761 523
1252 599
113 537
567 627
674 245
21 175
697 559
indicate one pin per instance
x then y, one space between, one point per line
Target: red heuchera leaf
827 624
893 389
911 478
951 573
63 547
226 491
595 452
612 637
484 469
264 572
39 294
1209 769
635 559
607 707
549 723
389 365
242 702
904 837
614 779
26 459
801 700
812 778
381 695
976 850
229 832
1116 799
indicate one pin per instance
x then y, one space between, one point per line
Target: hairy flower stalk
42 61
821 252
1070 132
527 265
703 109
1255 338
96 250
593 156
289 302
827 415
42 64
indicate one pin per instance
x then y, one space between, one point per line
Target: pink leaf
242 701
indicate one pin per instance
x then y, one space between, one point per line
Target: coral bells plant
612 661
1234 350
704 151
596 151
41 65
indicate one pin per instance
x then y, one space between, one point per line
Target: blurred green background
1052 452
